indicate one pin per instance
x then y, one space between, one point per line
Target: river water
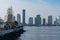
41 33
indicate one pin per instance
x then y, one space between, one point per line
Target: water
41 33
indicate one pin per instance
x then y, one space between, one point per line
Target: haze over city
33 7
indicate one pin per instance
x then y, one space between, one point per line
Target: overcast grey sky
33 7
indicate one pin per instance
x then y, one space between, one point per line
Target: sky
44 8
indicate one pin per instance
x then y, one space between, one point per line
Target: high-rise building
56 22
38 20
59 20
14 18
30 21
49 20
23 16
44 21
10 15
18 18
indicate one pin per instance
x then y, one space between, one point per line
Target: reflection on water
41 33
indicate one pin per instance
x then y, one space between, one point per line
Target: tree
15 22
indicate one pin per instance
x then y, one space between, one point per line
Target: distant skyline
33 8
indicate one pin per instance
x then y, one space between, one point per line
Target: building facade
31 21
18 18
38 20
24 16
10 15
49 20
44 21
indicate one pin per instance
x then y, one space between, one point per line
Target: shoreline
12 35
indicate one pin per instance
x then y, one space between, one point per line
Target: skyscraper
10 14
10 17
14 18
56 22
18 18
49 20
44 21
59 20
30 21
23 16
38 20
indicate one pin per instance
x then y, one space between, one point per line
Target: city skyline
39 21
33 8
29 19
22 17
